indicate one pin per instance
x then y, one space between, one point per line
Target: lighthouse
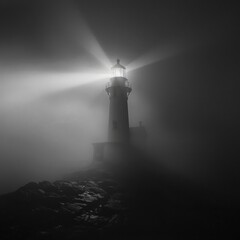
120 135
118 90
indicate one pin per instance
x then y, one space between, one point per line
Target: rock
67 189
30 186
47 186
96 190
61 183
74 182
44 210
87 197
41 191
54 200
54 195
70 188
75 207
92 183
79 188
97 220
99 196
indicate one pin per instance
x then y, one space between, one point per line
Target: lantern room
118 70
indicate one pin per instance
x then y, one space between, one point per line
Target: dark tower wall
118 127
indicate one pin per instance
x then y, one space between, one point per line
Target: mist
55 58
51 112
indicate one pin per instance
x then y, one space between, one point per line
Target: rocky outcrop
100 205
66 209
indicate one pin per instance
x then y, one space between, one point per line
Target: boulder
47 186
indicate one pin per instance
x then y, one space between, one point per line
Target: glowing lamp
118 70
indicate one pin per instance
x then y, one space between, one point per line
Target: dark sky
188 100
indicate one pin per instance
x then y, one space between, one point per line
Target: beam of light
154 56
78 28
93 47
30 79
49 137
32 85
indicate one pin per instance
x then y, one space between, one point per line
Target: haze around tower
182 60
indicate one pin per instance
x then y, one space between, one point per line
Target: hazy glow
50 113
48 109
94 48
46 129
79 29
32 85
153 56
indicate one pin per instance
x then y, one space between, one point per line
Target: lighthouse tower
118 90
120 136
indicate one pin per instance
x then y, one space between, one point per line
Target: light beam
154 56
78 28
32 85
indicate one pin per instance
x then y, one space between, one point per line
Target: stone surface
97 206
48 210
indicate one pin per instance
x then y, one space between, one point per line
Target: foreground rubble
66 209
102 206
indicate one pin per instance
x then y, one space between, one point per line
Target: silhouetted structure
120 136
